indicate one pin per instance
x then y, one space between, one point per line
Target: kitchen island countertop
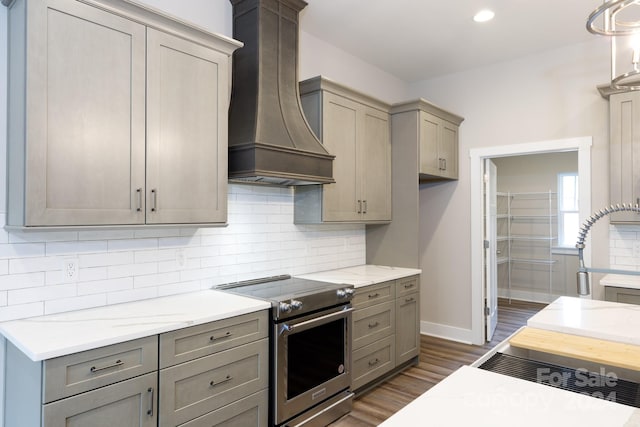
45 337
472 396
362 275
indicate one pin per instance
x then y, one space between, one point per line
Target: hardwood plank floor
438 359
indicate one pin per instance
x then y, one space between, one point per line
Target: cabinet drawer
128 403
372 323
79 372
374 294
407 285
252 411
372 361
624 295
195 388
197 341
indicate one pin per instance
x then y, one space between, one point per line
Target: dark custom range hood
269 138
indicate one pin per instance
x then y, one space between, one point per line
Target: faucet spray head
583 282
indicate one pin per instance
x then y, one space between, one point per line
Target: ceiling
420 39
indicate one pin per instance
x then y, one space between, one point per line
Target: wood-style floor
438 358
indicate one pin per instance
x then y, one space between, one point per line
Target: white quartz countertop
621 281
362 275
474 397
591 318
45 337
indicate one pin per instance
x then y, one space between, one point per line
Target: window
568 217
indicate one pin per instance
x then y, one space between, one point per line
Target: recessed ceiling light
484 15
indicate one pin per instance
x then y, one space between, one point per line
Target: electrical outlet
70 269
181 258
636 249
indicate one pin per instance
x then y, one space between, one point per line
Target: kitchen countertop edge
41 338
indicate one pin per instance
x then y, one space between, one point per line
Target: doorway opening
478 157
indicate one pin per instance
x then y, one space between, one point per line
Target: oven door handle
298 327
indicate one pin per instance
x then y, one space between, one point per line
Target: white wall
547 96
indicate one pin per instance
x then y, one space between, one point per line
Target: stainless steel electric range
310 340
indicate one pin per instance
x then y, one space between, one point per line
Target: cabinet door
340 132
187 96
85 116
624 149
407 327
129 403
448 150
375 163
429 135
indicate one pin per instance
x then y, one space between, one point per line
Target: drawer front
375 294
372 361
128 403
79 372
202 340
252 411
195 388
372 323
408 285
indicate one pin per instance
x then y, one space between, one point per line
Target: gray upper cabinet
355 128
624 152
437 138
117 116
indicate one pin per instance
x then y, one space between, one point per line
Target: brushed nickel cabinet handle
139 207
409 285
408 300
359 206
227 334
373 325
94 369
364 211
374 362
226 379
150 411
154 199
376 295
444 164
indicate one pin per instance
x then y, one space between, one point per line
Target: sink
598 380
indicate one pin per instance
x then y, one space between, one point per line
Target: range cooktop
292 296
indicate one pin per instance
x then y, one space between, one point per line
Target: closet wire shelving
545 216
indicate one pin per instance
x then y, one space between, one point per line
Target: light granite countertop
362 275
591 318
621 281
475 397
46 337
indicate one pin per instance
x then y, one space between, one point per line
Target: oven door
312 360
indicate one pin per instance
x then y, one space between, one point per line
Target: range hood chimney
269 138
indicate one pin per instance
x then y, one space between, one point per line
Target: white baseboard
452 333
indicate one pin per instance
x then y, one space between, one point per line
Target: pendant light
620 19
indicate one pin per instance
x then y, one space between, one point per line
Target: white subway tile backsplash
130 264
105 286
21 250
131 295
20 281
29 295
20 311
74 303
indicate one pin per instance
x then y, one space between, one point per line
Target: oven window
315 356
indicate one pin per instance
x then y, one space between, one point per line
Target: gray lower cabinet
212 368
128 403
625 295
385 325
117 116
215 374
107 386
407 319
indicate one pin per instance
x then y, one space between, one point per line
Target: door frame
580 144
